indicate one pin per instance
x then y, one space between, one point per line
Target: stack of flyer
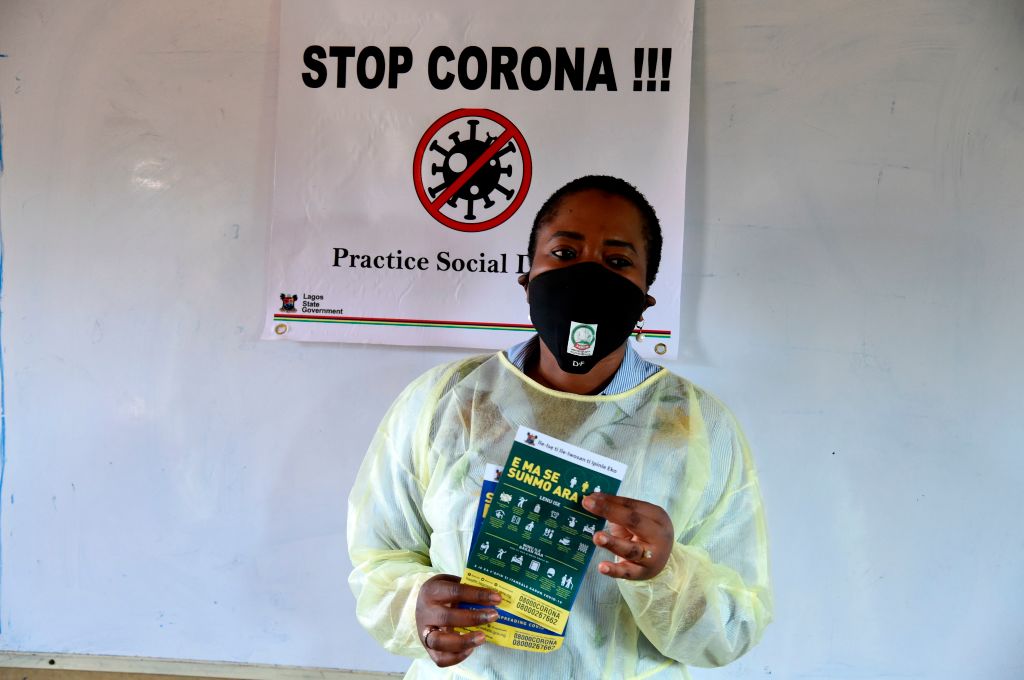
533 539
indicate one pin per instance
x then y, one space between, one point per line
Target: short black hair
614 187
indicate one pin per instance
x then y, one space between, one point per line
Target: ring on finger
427 630
647 554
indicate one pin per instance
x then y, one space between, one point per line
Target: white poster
416 142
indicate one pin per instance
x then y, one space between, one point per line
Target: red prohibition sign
451 189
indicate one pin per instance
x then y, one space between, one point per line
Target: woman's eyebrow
620 244
577 236
574 235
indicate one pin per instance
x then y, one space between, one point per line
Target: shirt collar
633 370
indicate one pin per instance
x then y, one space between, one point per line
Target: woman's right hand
437 616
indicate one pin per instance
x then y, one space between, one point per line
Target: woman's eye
564 253
619 262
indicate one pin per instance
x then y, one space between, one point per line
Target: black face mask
583 313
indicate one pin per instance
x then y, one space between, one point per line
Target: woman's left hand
640 533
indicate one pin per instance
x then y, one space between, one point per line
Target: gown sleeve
388 536
712 601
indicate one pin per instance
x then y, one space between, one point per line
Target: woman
684 579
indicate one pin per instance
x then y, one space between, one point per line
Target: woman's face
592 226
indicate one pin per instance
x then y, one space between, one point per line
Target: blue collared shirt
632 371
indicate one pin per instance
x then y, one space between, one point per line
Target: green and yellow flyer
535 539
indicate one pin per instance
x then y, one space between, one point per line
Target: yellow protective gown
412 509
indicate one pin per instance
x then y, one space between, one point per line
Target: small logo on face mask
582 337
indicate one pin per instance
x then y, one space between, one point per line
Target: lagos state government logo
472 169
288 302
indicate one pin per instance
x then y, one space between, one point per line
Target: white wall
175 487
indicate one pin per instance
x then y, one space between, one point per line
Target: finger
444 591
454 617
654 512
455 643
617 530
639 517
630 571
624 548
445 659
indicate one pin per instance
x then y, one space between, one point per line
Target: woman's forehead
593 213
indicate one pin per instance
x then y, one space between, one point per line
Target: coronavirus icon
487 179
472 169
